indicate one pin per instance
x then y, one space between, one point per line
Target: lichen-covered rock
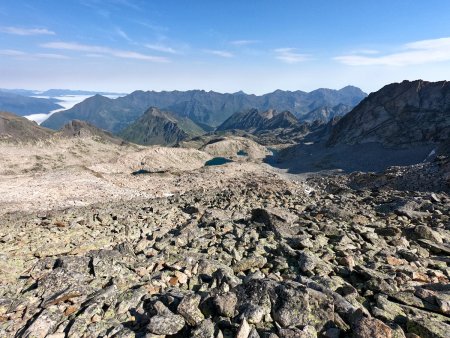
204 330
165 325
225 304
296 305
371 328
188 308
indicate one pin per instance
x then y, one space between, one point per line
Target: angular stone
426 328
43 324
254 313
188 308
129 300
370 328
426 232
307 332
225 304
250 263
275 219
204 330
244 330
166 325
296 305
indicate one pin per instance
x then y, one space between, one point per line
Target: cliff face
398 115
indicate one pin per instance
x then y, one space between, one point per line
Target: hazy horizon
256 46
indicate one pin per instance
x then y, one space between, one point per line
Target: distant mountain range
206 109
25 105
56 92
76 128
401 124
26 102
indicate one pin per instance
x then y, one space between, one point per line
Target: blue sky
255 45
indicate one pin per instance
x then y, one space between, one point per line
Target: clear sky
252 45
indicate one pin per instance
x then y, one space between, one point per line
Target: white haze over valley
66 101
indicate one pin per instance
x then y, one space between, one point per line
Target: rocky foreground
263 257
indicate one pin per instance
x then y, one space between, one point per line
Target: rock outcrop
77 128
18 129
235 147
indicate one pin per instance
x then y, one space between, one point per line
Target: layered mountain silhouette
402 123
18 129
24 105
204 108
160 127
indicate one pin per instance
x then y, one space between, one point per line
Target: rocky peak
399 114
77 128
160 127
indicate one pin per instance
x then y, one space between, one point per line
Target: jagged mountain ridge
253 120
160 127
210 108
325 114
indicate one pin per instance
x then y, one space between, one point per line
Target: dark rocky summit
399 115
264 257
160 127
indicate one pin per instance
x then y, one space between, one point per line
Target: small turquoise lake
217 161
